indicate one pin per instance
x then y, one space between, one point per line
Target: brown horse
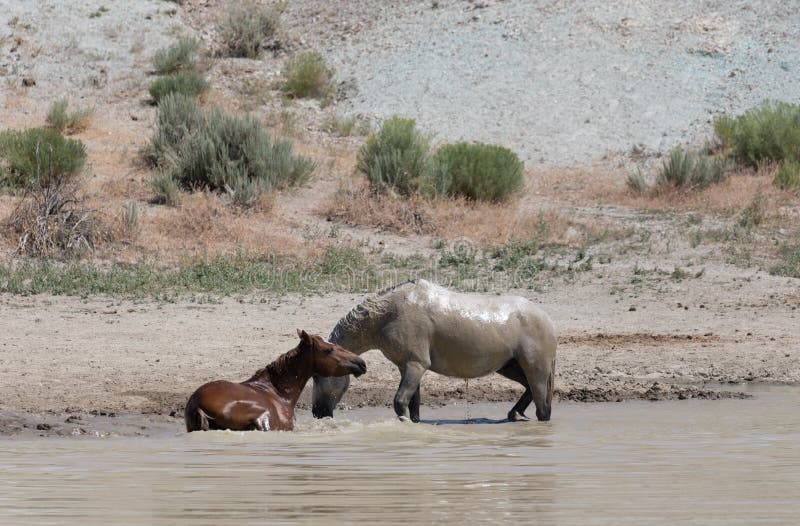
266 401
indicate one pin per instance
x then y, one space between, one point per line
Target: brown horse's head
331 359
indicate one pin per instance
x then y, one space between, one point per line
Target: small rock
631 308
28 82
44 427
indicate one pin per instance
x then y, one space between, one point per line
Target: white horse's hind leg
540 377
411 374
513 371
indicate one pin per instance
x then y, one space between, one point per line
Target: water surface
696 462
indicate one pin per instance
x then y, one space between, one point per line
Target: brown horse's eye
329 351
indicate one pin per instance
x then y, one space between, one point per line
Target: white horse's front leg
327 393
410 376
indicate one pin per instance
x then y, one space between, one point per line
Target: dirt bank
68 355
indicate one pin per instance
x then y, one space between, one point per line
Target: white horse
420 326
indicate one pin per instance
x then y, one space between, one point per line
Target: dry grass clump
602 186
50 221
204 224
245 26
482 223
59 118
365 207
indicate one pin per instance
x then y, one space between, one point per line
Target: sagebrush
307 75
788 176
188 83
483 172
218 151
166 189
180 56
767 133
396 157
62 120
245 26
37 157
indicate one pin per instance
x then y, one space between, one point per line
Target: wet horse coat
267 400
420 326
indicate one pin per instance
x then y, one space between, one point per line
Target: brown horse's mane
365 311
279 367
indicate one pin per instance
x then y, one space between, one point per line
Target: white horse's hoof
404 419
517 417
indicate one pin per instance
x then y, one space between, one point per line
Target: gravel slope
560 81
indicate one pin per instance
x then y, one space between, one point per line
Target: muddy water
705 462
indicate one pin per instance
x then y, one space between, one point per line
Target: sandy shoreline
62 355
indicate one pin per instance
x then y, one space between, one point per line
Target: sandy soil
68 355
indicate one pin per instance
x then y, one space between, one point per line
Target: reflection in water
730 462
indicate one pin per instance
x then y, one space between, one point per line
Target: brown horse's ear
304 337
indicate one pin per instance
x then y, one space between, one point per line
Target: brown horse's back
227 405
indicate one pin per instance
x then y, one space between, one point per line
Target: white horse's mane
372 308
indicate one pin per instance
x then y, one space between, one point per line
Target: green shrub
788 176
245 26
178 116
166 188
341 126
396 157
346 126
687 169
307 75
222 152
724 127
38 156
187 83
769 132
484 172
180 56
62 120
753 214
789 264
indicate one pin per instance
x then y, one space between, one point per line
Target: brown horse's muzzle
357 367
